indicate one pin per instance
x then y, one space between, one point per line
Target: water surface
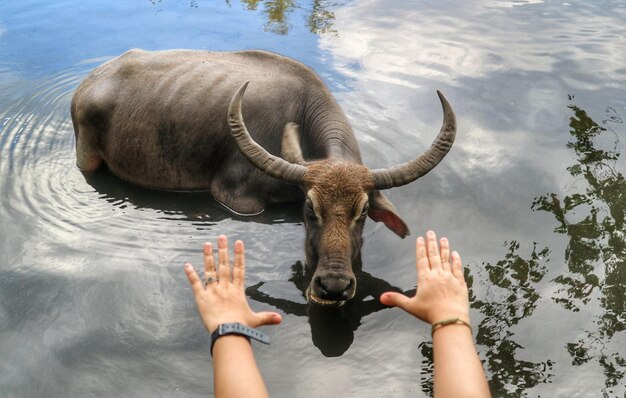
93 300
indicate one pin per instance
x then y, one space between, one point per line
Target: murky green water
93 301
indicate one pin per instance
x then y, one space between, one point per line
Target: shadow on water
191 206
332 329
592 216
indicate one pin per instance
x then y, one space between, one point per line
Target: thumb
268 318
194 279
393 299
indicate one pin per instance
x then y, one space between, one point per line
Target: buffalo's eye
366 208
308 209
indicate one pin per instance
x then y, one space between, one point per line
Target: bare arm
223 300
234 369
441 295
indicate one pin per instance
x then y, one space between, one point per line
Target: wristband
238 329
446 322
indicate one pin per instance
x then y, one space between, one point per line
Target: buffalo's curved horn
410 171
266 162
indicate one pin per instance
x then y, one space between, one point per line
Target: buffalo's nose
335 287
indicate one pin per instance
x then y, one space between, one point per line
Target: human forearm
234 369
442 300
221 300
458 370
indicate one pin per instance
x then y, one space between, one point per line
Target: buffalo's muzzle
332 288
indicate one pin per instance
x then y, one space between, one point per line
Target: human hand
223 299
441 290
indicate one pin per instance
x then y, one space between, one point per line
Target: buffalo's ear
381 209
290 148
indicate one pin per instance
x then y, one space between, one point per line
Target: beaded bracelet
446 322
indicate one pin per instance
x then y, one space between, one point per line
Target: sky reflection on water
93 300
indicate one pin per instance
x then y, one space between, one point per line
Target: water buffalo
172 120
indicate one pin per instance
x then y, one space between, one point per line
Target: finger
239 266
433 252
268 318
421 259
445 253
457 267
393 299
223 262
209 261
194 279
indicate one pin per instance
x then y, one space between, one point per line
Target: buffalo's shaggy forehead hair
335 181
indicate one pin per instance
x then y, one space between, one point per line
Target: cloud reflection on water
411 41
508 73
506 66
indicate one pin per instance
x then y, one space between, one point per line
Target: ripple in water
42 183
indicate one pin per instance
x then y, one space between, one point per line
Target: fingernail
221 240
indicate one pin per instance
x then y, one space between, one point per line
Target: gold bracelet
446 322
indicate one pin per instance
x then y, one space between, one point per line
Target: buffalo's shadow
332 328
192 206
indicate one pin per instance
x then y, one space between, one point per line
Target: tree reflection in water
511 297
319 21
592 217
